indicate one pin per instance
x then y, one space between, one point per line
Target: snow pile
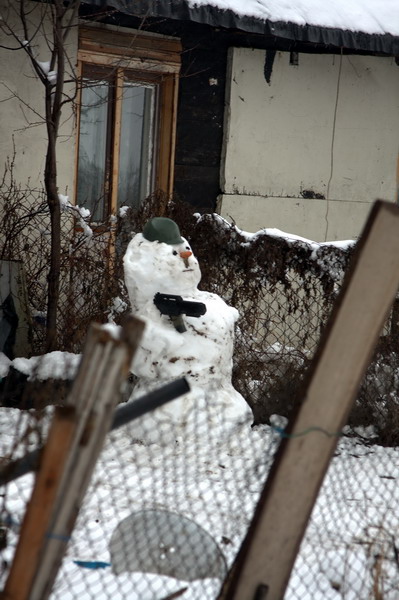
292 238
123 211
45 68
5 364
367 16
118 306
319 258
54 365
82 214
348 546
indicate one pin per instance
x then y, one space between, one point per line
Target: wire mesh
208 482
350 546
205 479
284 290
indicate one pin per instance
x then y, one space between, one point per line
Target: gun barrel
194 309
173 306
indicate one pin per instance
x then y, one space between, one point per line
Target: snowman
189 333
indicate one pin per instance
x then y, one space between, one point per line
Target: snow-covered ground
212 476
348 551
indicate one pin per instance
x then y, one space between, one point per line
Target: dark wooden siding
200 120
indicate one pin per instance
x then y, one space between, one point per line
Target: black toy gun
175 307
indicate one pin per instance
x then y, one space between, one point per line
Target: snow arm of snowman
157 342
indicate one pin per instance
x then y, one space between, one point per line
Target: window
126 118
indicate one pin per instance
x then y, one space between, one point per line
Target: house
274 114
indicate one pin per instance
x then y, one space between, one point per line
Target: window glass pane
136 144
93 147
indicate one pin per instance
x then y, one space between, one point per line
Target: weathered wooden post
264 564
74 443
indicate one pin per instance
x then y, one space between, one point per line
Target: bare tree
37 29
56 22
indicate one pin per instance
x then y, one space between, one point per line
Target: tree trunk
53 101
53 292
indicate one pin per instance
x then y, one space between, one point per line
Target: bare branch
23 102
74 8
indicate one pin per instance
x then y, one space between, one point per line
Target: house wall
22 125
309 152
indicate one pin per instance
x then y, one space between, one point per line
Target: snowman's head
155 266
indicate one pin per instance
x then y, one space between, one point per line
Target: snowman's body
202 354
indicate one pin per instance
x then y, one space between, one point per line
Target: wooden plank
174 99
397 179
112 368
268 554
116 141
78 104
150 66
153 54
167 134
36 521
136 38
118 46
75 439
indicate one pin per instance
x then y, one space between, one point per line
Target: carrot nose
185 254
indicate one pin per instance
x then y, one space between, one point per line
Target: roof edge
216 17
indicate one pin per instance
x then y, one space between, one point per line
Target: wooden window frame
150 58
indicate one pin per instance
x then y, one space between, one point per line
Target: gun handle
178 323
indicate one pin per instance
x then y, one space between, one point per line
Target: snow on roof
366 16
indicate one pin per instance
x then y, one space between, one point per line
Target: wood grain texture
270 549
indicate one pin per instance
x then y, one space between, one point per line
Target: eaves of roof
179 10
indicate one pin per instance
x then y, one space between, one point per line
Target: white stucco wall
22 102
329 125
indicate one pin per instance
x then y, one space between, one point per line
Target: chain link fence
166 519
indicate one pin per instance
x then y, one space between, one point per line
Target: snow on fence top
366 16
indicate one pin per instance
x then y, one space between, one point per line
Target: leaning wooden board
265 561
